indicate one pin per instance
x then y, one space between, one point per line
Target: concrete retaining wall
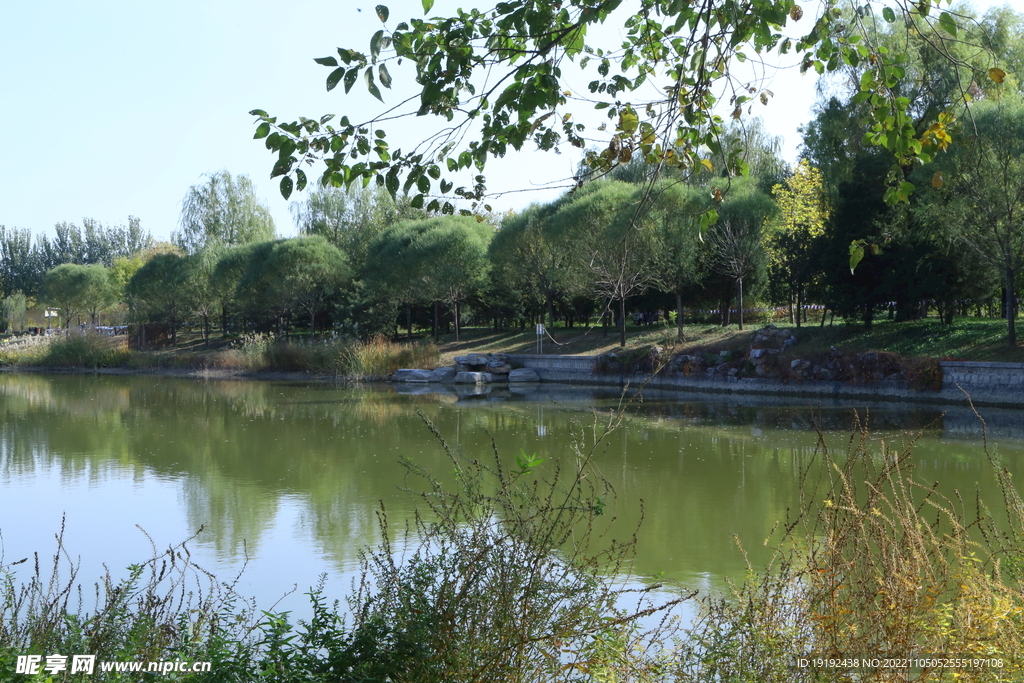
988 384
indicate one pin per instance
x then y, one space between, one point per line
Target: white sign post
540 338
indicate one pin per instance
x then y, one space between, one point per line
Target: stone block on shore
413 375
523 375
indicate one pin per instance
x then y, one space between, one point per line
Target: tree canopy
500 79
224 212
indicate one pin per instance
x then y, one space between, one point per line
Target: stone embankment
771 367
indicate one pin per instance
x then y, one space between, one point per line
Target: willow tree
603 226
221 213
737 239
350 217
674 213
305 273
77 289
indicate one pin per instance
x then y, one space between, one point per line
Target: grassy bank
510 577
967 339
365 360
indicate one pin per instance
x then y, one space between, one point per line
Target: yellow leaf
996 74
938 180
707 164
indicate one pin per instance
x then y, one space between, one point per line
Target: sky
114 108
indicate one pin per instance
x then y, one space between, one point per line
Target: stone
472 377
471 361
523 375
413 375
498 367
444 374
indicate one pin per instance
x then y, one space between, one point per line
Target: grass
358 360
967 339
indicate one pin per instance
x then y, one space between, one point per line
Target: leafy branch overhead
497 80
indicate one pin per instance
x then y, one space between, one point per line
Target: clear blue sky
114 108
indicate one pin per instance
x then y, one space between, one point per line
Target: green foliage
76 289
350 218
14 311
222 213
530 52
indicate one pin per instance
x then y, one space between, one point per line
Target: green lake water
286 477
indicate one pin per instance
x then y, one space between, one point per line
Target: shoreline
579 371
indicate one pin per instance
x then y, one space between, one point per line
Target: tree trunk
455 311
312 325
437 321
799 307
622 322
679 315
408 321
1011 313
739 283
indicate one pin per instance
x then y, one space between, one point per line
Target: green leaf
947 23
350 79
417 202
286 187
382 13
385 77
391 182
333 79
370 85
889 15
300 180
262 131
856 252
427 4
375 43
258 112
327 61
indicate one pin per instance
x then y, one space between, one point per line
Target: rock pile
471 369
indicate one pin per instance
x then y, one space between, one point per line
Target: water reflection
291 475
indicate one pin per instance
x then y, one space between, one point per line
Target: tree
794 235
984 210
154 290
500 79
603 224
77 289
350 217
14 312
674 216
20 268
737 239
530 258
222 213
305 273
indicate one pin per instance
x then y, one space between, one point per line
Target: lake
285 477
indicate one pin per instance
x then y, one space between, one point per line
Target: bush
874 565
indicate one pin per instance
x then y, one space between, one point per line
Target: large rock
471 361
446 374
472 378
523 375
413 375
